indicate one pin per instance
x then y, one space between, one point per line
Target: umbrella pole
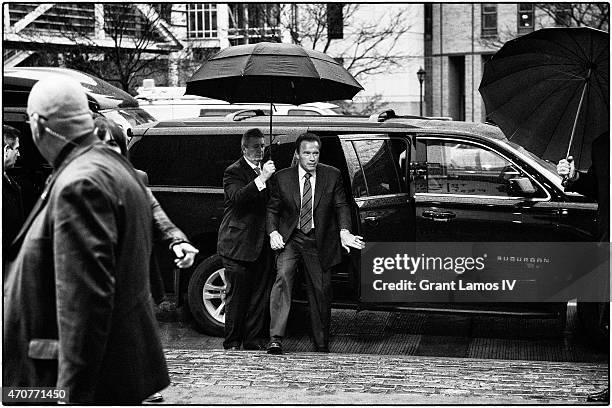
271 113
586 83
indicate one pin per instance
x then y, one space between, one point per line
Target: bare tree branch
130 55
371 47
596 15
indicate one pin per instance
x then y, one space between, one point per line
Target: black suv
103 98
407 179
31 169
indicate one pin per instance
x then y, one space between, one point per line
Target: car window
129 118
375 166
303 112
215 112
355 173
463 169
225 111
550 167
187 161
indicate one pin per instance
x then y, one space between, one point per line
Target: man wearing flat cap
78 313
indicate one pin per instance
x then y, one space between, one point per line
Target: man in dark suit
308 220
78 312
12 200
243 246
595 183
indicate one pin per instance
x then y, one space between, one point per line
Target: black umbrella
549 91
272 72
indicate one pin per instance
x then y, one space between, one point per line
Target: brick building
460 38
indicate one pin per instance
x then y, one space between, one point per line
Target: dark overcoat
596 184
77 310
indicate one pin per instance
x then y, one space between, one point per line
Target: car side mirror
522 186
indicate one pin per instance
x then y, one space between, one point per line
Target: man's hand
351 241
276 240
185 254
267 170
567 168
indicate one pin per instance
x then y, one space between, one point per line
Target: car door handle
371 220
440 216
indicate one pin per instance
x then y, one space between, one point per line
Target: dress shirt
258 181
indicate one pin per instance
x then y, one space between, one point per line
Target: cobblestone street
247 377
375 360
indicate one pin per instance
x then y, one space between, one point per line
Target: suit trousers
246 302
301 247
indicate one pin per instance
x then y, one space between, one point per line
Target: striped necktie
306 210
257 170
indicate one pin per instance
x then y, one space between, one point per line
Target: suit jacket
12 211
78 312
242 230
164 231
596 184
330 210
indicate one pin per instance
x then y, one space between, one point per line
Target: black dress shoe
601 396
322 349
233 348
275 347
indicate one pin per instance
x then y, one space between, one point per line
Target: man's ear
40 124
35 125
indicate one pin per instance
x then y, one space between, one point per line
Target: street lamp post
421 75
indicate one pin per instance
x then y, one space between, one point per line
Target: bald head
61 105
59 113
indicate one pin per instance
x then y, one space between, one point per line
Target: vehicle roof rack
242 115
390 114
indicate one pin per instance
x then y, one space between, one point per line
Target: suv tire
206 296
592 321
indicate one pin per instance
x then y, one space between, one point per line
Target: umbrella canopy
272 72
549 91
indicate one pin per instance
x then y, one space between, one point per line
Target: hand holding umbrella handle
568 166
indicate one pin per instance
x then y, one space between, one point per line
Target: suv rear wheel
594 322
206 295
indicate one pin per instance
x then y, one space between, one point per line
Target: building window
201 20
525 18
253 22
489 19
563 15
125 20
